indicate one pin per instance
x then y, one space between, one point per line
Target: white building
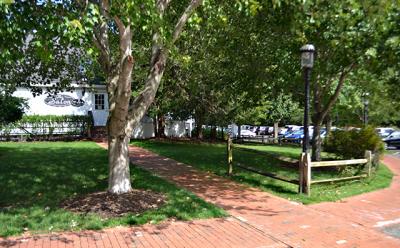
82 100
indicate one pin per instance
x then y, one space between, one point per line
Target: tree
113 32
282 107
11 109
345 34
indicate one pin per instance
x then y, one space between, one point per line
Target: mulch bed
110 205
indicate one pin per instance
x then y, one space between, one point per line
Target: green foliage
36 177
215 161
49 125
11 109
284 108
207 134
353 144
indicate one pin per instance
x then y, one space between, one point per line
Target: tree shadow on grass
42 175
36 177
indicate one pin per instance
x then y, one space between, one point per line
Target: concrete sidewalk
258 219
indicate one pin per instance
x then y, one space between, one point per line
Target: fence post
301 171
305 174
368 156
229 155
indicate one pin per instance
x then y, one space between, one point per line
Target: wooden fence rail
306 165
254 170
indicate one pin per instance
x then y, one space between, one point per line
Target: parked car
288 129
254 129
283 131
384 131
393 140
247 133
295 135
262 130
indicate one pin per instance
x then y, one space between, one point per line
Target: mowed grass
36 177
212 157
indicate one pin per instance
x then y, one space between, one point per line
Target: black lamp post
366 103
307 62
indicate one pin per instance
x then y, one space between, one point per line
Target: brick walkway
258 218
375 209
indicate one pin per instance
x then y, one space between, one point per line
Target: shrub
207 134
46 126
354 143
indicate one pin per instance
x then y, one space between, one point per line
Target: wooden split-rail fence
306 165
305 169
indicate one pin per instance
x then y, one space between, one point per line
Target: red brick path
374 209
258 218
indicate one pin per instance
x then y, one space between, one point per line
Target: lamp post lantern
307 62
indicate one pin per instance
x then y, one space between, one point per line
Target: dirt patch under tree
111 205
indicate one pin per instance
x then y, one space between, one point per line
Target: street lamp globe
307 56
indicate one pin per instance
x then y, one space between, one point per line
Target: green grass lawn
212 157
36 177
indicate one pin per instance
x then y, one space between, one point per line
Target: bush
11 109
46 126
207 134
354 143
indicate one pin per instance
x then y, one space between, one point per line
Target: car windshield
394 135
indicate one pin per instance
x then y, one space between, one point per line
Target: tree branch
334 97
100 37
184 18
158 61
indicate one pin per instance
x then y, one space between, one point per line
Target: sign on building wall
63 101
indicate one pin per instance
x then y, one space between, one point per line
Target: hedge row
48 125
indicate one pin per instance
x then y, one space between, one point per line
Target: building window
99 101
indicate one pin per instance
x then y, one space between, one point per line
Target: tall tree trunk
199 121
199 131
316 142
239 130
155 126
161 126
199 128
125 114
328 124
119 180
222 133
213 133
276 129
320 111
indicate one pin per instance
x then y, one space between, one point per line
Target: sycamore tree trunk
199 121
118 160
125 113
199 128
155 126
276 129
161 126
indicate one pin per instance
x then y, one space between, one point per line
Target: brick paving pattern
258 219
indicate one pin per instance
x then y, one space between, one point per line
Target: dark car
393 139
